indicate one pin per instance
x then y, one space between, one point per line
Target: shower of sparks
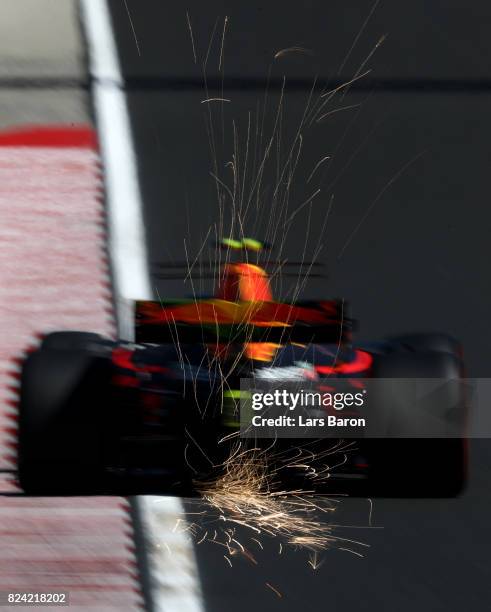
206 100
302 50
353 552
132 27
274 589
192 37
247 504
399 173
380 41
316 167
314 561
302 206
249 498
331 92
225 22
337 110
357 37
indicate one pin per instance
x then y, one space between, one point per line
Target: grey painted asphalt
41 64
406 242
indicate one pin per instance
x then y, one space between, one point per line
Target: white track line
127 235
175 583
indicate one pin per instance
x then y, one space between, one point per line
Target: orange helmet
244 282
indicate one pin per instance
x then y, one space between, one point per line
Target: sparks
274 589
302 50
248 494
206 100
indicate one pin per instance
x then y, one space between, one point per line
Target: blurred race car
99 416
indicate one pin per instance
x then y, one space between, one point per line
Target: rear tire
418 467
438 343
73 340
60 436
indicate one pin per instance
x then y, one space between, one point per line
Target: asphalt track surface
406 240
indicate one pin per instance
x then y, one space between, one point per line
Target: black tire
439 343
72 340
419 467
60 434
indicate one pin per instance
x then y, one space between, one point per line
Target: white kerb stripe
127 244
175 583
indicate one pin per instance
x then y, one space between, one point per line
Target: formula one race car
99 416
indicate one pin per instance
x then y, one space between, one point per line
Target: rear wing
220 321
212 269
